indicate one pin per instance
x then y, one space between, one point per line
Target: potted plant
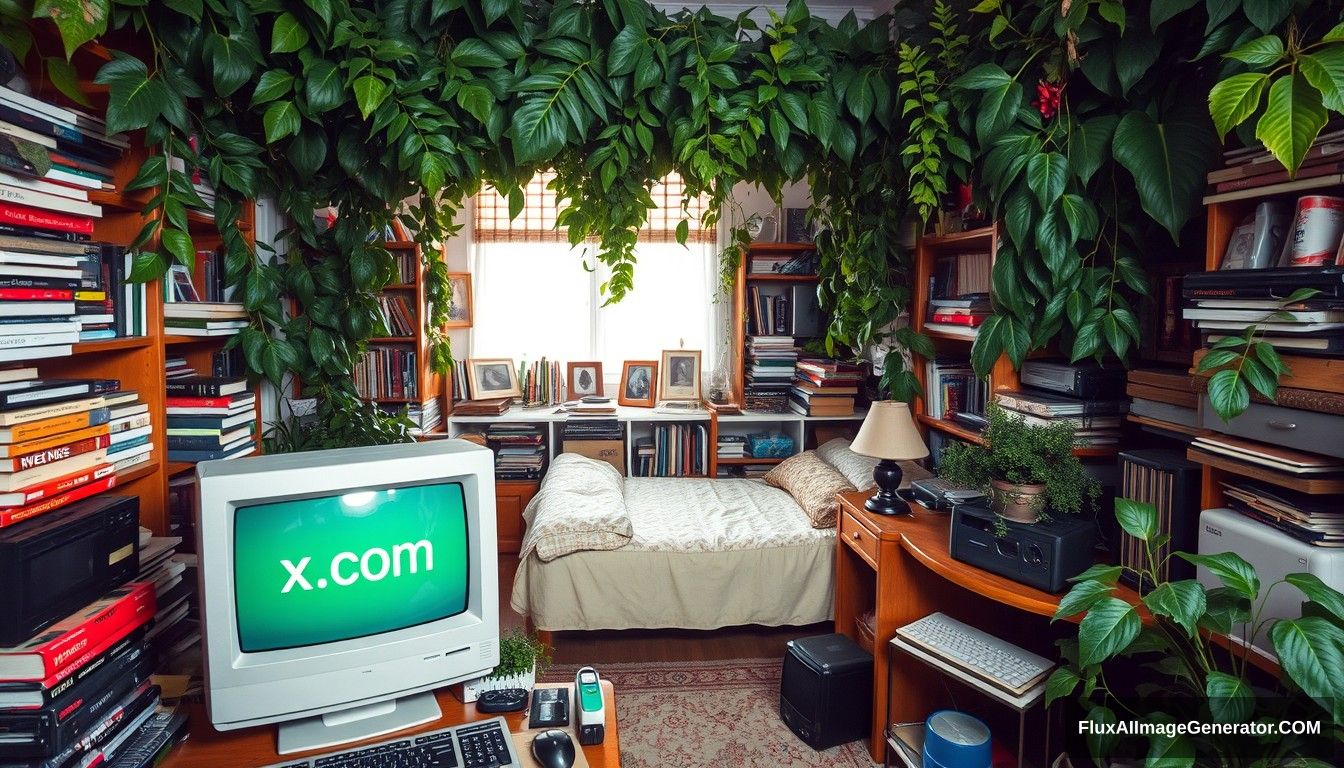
522 657
1183 676
1027 471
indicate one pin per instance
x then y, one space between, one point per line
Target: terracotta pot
1017 502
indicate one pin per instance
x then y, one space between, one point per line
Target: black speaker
1170 482
826 690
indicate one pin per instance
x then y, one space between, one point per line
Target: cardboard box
610 451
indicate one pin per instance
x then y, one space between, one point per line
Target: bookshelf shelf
783 278
972 238
175 339
946 336
951 428
174 468
135 473
745 460
116 200
783 247
111 345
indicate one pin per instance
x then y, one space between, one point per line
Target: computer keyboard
484 744
995 661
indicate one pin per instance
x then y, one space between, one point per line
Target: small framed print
459 309
494 377
639 378
584 380
680 375
183 288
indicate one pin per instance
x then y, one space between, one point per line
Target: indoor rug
689 714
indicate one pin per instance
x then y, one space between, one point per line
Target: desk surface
251 747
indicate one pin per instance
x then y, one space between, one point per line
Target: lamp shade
889 432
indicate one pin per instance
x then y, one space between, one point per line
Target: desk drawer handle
1277 424
855 534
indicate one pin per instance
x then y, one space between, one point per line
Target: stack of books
494 406
770 363
426 416
590 407
210 418
675 450
732 446
824 387
388 373
804 263
204 318
958 316
398 314
215 276
953 392
129 427
175 631
1254 168
1314 326
1314 518
54 294
78 691
520 450
1094 422
542 383
1166 399
596 427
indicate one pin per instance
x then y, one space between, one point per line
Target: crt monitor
339 587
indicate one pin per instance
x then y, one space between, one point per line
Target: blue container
774 445
955 739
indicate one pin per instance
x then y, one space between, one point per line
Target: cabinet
511 498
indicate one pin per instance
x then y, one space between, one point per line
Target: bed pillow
858 469
813 484
579 507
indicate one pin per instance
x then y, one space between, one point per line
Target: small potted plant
1027 471
522 658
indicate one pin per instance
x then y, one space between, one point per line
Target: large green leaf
1230 698
1081 216
1046 176
474 52
1109 626
538 131
1228 394
1090 145
1319 592
323 86
78 22
984 77
1292 119
288 34
1062 682
1233 100
1136 518
1134 55
1081 597
1267 14
1168 160
1309 653
134 98
1260 51
1231 569
1324 69
1182 601
998 108
233 60
627 49
370 91
280 120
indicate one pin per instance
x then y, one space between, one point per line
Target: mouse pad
522 739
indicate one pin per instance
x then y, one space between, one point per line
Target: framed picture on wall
681 375
492 377
459 309
638 381
584 379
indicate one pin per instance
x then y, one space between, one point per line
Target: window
534 298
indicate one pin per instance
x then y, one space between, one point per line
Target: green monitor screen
330 568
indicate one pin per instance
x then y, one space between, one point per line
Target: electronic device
1274 554
1171 483
553 749
1086 380
937 494
997 662
54 565
1275 284
502 700
1043 555
592 718
955 739
483 744
550 707
338 587
826 690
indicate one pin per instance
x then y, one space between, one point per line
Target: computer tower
826 690
1171 483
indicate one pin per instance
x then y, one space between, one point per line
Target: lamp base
887 475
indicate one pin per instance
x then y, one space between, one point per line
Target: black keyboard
485 744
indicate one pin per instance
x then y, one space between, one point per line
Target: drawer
1289 427
859 538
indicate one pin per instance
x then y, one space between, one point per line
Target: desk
251 747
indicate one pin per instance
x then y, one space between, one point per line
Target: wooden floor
634 645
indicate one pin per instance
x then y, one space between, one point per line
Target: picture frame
680 379
183 288
492 377
639 383
584 379
459 309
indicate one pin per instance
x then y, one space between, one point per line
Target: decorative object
763 227
888 434
459 309
183 287
680 375
1027 471
492 377
585 379
638 379
522 659
720 383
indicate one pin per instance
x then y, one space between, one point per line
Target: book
11 418
16 515
213 441
53 479
55 440
53 731
205 386
48 187
37 693
231 451
37 218
49 652
100 742
64 422
200 425
47 201
36 308
54 454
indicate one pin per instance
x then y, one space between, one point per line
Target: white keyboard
995 661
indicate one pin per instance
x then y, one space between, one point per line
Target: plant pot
1018 502
472 689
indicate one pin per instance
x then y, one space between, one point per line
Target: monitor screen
331 568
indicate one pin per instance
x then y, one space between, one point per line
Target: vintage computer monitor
339 587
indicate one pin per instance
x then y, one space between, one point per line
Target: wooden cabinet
511 498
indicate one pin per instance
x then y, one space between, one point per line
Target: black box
1041 555
826 690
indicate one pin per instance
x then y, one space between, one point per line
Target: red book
19 514
35 294
968 320
54 453
199 402
23 216
53 487
62 644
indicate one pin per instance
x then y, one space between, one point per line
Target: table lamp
888 433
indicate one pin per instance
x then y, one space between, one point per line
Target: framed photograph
584 379
681 375
183 288
638 379
493 377
459 310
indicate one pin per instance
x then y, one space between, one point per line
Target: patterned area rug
709 713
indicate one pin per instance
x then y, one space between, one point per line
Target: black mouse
553 749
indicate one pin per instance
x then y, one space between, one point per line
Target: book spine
12 113
15 230
58 453
34 493
31 217
46 201
195 389
35 294
132 609
89 662
199 402
60 284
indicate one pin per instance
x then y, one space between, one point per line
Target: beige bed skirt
634 589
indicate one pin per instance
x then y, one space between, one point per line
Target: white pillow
856 468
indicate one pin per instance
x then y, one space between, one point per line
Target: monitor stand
357 723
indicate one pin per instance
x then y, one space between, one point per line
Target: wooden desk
253 747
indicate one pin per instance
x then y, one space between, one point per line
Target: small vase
1018 502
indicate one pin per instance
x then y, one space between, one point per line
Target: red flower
1048 98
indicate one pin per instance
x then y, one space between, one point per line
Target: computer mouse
553 749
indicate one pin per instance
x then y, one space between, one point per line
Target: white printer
1274 554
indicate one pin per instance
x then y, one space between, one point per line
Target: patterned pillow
813 484
858 469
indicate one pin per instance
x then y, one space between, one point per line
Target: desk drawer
859 538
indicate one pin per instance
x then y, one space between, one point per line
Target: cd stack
208 417
770 361
520 451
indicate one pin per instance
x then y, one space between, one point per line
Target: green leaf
474 52
1309 653
1081 216
1107 629
626 51
178 243
538 131
1233 100
1260 51
1136 518
821 118
63 75
1081 597
1267 14
1233 571
1090 145
1226 608
1324 69
323 86
496 9
1318 592
1062 682
134 99
1230 698
1335 35
989 344
288 34
147 265
983 78
1228 394
370 91
1046 176
1163 11
1134 56
1183 601
477 100
1168 161
1169 751
273 84
1219 10
1106 574
998 109
280 120
78 22
794 105
1017 218
1260 378
1292 119
307 151
232 61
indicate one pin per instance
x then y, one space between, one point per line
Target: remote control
550 708
502 700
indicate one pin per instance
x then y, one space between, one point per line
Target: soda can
1317 229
